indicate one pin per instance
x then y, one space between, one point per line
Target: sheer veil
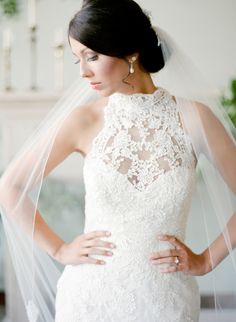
20 185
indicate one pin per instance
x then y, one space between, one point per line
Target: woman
141 147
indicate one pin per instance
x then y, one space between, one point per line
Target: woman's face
104 73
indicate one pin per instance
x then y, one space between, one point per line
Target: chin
106 93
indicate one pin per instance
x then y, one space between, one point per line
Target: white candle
32 13
58 37
7 38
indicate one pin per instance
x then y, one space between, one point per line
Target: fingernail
161 237
108 233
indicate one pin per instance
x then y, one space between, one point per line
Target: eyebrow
80 51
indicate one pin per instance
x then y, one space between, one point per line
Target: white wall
205 28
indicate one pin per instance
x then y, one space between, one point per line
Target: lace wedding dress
139 179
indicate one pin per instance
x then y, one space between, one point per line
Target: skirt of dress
127 290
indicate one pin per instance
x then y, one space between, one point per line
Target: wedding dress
139 177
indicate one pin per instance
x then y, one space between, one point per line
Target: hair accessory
155 28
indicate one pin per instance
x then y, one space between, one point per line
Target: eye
94 57
77 62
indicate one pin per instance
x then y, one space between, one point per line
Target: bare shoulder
86 121
75 133
211 123
86 114
215 132
205 113
202 125
195 111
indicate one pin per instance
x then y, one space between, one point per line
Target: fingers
90 260
97 233
165 253
178 258
98 242
89 247
96 251
173 265
176 268
173 240
166 260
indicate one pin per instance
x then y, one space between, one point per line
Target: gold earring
131 61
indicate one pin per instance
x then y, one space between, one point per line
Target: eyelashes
93 58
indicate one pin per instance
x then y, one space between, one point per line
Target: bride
142 145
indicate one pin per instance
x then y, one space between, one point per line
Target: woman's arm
219 147
218 250
14 196
220 150
223 155
197 264
13 183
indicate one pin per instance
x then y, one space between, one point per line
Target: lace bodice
143 138
139 179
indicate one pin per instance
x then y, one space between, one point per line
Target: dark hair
117 28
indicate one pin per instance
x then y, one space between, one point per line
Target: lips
95 83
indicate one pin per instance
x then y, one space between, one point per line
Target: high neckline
138 94
131 105
138 99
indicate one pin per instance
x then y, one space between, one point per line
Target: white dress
139 179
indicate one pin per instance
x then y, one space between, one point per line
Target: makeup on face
104 73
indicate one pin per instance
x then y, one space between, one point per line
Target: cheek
112 68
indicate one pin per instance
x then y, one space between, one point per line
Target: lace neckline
130 102
135 96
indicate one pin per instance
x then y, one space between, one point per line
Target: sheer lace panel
143 138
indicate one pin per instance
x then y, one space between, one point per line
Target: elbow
9 194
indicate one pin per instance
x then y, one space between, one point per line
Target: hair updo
117 28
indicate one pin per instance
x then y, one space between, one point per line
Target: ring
177 260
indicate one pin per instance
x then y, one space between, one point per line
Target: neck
142 83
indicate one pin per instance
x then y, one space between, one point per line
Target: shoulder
79 120
205 113
202 125
82 121
206 127
209 120
85 114
195 113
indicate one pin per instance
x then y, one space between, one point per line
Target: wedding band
177 260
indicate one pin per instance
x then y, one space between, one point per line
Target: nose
85 71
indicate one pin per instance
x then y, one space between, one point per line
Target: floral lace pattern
139 179
145 137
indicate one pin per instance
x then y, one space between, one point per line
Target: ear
133 57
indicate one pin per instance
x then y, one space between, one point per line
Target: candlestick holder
7 68
33 57
59 49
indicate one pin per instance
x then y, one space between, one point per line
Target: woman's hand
80 249
182 257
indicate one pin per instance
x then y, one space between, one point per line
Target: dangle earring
131 67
